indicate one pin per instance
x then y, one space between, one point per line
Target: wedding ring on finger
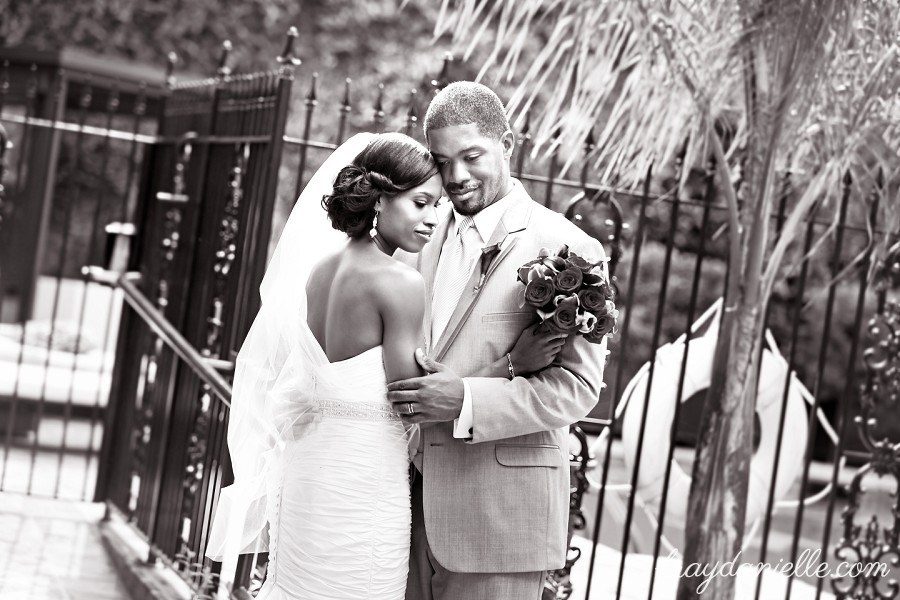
409 409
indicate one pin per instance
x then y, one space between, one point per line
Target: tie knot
464 224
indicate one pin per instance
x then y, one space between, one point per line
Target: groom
491 494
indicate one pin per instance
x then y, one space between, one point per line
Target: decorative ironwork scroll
870 548
557 585
195 467
168 247
598 213
5 144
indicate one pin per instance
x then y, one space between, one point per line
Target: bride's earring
373 232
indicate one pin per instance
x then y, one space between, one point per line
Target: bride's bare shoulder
397 282
323 270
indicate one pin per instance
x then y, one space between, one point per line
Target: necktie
454 270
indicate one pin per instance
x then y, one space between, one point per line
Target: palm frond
611 60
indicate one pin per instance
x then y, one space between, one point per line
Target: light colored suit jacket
500 502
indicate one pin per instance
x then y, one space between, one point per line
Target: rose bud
541 272
525 269
606 289
539 292
603 327
605 324
595 275
568 280
565 317
592 299
555 263
563 251
576 262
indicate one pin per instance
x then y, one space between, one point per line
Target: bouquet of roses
571 294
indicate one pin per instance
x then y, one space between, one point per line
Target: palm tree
809 86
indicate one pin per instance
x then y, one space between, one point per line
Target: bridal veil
273 397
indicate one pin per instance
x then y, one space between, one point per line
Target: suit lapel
514 220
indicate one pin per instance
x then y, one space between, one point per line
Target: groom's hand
434 398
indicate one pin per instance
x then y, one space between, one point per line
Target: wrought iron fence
195 208
77 137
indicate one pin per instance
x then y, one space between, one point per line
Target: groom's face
474 167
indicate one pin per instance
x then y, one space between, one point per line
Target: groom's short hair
464 102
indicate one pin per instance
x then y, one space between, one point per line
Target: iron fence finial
171 61
287 55
378 113
345 102
311 98
412 113
224 70
589 146
442 79
526 128
589 143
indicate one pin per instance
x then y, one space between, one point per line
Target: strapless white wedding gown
340 523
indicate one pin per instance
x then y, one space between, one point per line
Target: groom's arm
555 397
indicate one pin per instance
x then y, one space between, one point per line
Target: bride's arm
401 300
535 349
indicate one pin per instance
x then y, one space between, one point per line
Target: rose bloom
568 280
539 292
605 325
565 317
595 276
592 299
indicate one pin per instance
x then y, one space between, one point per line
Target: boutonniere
488 254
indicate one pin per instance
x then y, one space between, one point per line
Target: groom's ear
508 142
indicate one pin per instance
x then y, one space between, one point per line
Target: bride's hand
535 349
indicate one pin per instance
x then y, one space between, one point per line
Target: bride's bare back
360 298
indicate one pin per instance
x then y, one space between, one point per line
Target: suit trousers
428 580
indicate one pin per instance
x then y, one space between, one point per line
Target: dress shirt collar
486 220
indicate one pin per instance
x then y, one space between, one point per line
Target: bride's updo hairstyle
392 163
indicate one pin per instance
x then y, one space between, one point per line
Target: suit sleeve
550 399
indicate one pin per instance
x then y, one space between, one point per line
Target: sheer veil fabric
278 369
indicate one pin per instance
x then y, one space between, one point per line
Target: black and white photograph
450 300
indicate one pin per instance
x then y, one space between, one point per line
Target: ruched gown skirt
339 528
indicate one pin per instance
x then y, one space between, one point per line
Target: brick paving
51 550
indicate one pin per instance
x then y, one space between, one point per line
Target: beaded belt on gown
356 410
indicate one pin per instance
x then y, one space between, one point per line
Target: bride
321 461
